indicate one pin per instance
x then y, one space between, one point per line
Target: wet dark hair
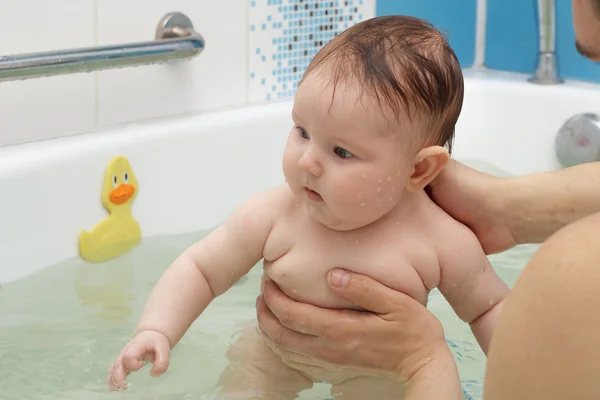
596 6
406 64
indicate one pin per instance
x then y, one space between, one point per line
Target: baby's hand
145 346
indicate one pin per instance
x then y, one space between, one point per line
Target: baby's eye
342 153
302 133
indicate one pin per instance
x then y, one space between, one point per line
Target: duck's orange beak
121 193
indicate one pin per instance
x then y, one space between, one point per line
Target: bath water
62 327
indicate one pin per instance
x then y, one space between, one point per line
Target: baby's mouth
312 195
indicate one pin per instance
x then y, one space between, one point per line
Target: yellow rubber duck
120 232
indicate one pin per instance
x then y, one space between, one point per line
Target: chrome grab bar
175 39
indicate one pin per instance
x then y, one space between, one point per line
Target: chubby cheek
371 193
291 155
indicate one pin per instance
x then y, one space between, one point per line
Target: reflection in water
106 289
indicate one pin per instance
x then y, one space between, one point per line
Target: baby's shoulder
274 200
452 237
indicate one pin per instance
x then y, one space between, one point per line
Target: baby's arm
470 284
210 267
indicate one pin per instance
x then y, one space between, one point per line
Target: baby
374 118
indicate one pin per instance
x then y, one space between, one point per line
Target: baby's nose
309 163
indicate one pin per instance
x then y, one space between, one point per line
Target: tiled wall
286 34
63 105
454 17
512 39
255 51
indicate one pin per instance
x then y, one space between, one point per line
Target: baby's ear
427 165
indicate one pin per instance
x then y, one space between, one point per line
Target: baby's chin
329 219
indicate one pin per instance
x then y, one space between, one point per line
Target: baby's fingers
132 362
162 353
116 376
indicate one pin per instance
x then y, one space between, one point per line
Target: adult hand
395 340
475 199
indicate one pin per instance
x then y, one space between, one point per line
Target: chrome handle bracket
175 39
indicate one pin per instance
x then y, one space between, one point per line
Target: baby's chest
299 255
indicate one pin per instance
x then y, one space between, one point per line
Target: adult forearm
437 380
537 205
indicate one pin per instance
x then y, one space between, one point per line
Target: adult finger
280 335
367 293
300 317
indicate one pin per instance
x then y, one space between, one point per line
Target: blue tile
571 64
457 18
512 35
295 32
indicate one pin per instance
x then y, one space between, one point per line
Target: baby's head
374 118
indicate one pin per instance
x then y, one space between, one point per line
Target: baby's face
345 162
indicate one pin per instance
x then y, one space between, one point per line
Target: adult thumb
363 291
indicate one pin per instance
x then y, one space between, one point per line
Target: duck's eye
114 180
125 177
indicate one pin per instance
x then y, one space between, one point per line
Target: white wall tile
46 107
286 34
214 79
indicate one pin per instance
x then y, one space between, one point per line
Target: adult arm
504 212
545 345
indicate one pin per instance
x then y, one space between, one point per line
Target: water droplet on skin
379 181
363 204
390 198
378 189
398 173
491 302
359 196
431 205
389 178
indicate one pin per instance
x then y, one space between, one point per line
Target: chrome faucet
546 72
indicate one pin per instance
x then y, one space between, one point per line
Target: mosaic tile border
286 34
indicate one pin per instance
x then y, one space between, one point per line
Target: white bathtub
193 171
